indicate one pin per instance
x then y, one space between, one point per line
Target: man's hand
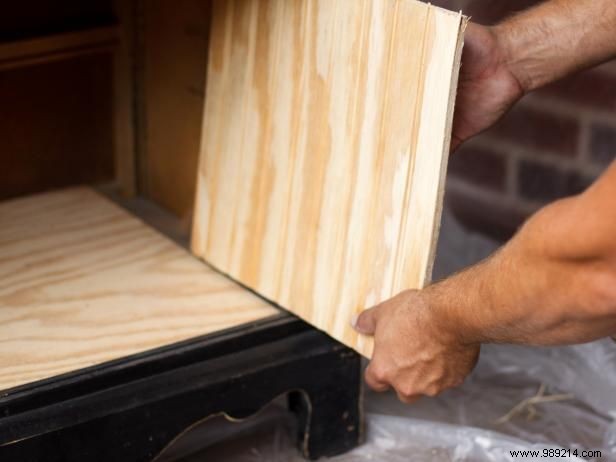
554 283
414 352
487 87
502 63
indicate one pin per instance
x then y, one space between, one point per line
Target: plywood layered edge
446 149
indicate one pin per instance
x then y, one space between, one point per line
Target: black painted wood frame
130 409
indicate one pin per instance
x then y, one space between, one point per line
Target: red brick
482 167
603 143
494 11
496 220
453 5
540 130
591 89
543 183
486 11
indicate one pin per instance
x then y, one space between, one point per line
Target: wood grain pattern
83 282
325 139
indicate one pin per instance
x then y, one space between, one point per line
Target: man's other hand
487 87
413 351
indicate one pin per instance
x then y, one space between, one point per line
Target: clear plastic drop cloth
517 399
467 425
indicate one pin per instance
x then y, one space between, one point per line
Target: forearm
557 38
554 283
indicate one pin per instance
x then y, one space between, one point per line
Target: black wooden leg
328 410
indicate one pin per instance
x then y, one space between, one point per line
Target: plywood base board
83 282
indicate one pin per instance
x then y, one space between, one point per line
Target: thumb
366 322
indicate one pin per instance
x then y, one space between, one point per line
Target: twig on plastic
528 405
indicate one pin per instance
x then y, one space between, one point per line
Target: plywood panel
83 282
325 136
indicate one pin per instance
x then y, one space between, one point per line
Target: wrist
509 56
454 311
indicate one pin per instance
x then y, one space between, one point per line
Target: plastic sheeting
461 425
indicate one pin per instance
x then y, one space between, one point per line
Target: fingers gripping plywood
324 146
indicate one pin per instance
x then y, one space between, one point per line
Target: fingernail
354 321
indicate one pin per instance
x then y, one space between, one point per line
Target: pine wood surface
324 146
83 282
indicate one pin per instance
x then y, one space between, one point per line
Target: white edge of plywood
427 177
446 146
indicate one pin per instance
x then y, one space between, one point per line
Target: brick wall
554 143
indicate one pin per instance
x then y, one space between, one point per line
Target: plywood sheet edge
447 144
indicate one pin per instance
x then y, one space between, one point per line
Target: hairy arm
557 38
559 267
502 63
555 281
